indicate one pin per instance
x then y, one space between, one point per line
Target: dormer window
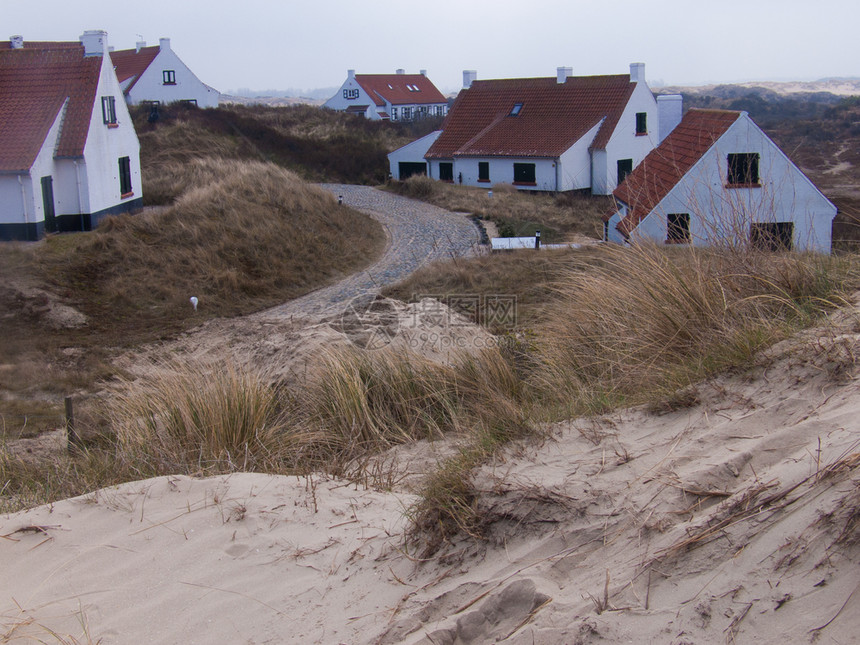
109 111
515 111
168 77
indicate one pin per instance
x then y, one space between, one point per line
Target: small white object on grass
194 301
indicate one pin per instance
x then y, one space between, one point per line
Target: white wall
339 103
150 86
106 145
719 213
16 204
624 142
574 168
412 152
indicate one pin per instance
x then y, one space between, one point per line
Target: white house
550 134
717 178
157 75
399 97
69 155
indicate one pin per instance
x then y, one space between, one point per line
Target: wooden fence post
73 441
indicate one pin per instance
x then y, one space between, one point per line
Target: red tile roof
130 63
34 85
664 166
395 88
553 117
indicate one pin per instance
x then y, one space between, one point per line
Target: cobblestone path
418 233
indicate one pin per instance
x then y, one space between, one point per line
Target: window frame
484 171
109 111
126 189
525 174
641 124
350 94
743 169
168 77
678 228
448 166
627 171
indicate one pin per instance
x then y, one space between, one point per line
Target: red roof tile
553 116
34 85
395 88
130 63
664 166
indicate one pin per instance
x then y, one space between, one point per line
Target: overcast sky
280 44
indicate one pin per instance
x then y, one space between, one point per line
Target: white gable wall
99 175
574 167
624 142
719 214
340 102
150 86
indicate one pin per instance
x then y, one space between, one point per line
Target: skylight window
515 111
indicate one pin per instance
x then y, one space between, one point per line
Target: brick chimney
164 44
637 72
140 44
401 71
94 42
350 73
562 73
469 76
16 42
423 72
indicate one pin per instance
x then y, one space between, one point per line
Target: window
407 113
125 188
168 77
188 103
641 123
440 111
515 111
524 173
678 228
394 114
625 167
483 171
350 94
109 110
446 171
772 236
743 169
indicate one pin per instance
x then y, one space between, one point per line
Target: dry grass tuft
647 321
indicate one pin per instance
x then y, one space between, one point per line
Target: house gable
688 180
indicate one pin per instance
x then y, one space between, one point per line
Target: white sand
734 519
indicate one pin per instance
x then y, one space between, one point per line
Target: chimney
423 72
94 42
16 42
401 71
562 73
469 76
637 72
164 44
670 109
140 44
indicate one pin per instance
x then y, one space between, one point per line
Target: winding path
418 233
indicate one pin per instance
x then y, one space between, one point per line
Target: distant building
69 155
548 134
398 97
718 178
157 75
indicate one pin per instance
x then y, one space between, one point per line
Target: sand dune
730 513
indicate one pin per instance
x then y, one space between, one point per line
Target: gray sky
272 44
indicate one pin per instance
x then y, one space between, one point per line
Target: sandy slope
730 515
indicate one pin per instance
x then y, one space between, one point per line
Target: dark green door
48 204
